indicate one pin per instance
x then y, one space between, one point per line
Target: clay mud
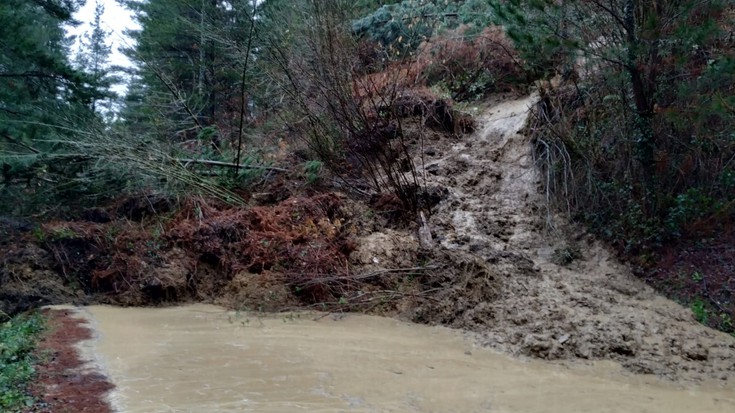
203 358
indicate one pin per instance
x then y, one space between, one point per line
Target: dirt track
203 358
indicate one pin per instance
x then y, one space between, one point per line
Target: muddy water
203 359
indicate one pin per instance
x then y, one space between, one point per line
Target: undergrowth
18 338
633 134
196 250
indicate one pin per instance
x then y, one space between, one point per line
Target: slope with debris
560 294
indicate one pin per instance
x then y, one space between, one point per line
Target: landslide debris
560 295
527 284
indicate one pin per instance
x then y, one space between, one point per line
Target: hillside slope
561 294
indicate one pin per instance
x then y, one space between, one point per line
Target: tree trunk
643 113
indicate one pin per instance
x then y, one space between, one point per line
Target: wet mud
204 358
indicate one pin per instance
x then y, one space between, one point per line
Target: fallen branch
324 280
19 143
186 161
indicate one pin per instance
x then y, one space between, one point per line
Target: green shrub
18 338
312 170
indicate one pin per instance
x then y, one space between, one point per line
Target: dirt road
202 358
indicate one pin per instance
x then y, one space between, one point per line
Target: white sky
116 20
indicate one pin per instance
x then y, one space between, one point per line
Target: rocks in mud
517 262
433 195
583 350
647 367
585 345
623 346
537 345
695 351
432 152
433 168
387 249
477 246
550 346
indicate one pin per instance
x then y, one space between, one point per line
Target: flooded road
202 358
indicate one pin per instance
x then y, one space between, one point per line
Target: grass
18 338
700 311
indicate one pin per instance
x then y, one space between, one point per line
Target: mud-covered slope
561 294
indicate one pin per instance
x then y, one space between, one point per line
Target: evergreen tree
42 98
37 79
93 57
402 26
191 57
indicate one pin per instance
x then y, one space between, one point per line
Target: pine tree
42 99
404 25
93 57
190 57
37 82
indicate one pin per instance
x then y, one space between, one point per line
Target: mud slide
561 294
204 359
522 290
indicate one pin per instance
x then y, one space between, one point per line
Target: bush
342 115
591 170
472 66
634 133
18 338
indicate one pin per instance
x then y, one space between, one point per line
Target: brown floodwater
202 358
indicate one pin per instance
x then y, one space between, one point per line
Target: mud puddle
202 358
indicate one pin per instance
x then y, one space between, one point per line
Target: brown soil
699 274
63 383
560 294
27 278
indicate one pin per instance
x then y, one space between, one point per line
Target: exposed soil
63 383
27 277
559 294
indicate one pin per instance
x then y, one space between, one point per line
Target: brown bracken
63 383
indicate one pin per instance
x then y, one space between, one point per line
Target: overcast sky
115 21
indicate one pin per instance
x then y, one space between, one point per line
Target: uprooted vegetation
312 251
194 252
258 235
